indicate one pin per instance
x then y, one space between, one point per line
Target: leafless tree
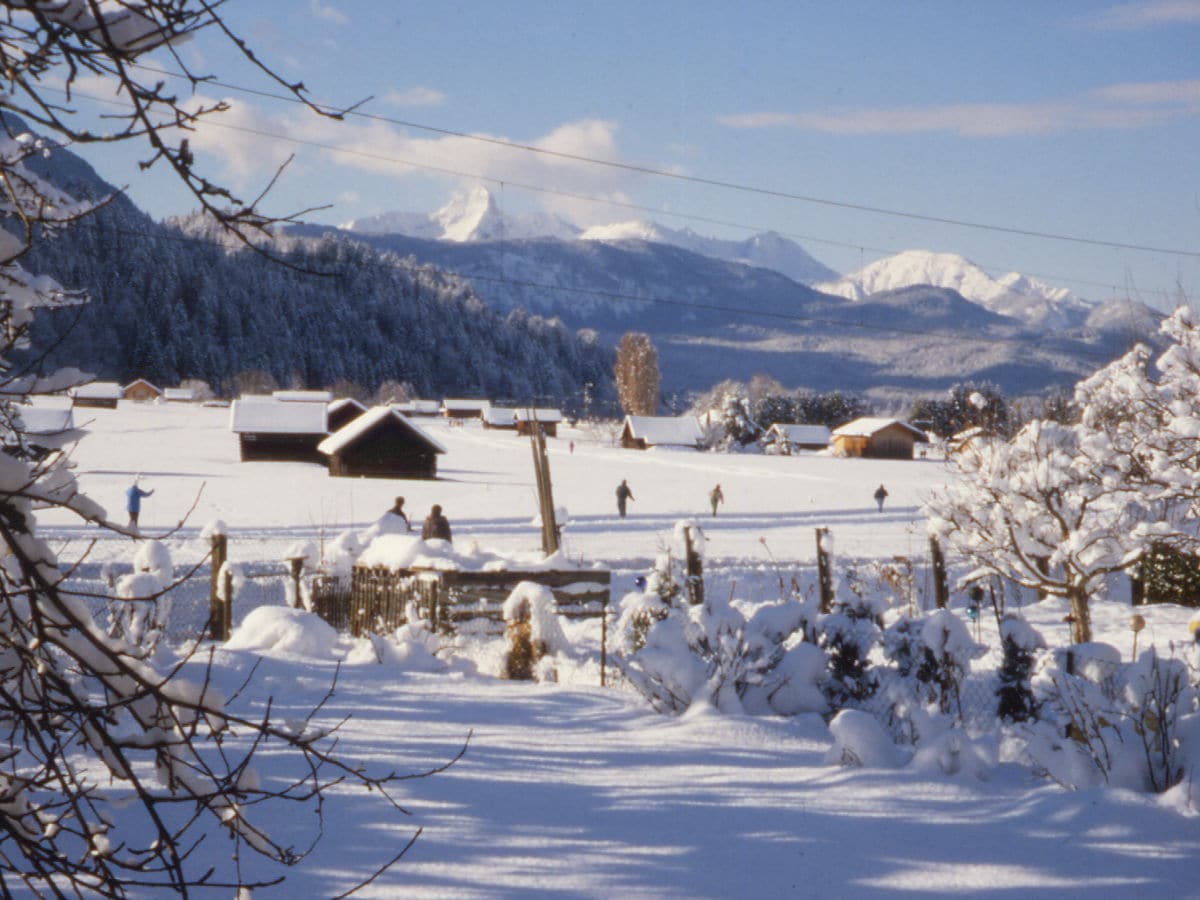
637 375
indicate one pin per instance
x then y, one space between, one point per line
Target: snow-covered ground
574 789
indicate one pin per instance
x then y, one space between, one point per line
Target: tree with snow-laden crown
112 772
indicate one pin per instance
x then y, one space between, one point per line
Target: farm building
141 391
179 395
877 438
798 437
417 408
341 413
500 417
303 396
464 409
98 394
381 443
272 430
644 432
547 420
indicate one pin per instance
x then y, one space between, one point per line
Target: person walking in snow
133 501
880 495
715 497
397 511
436 525
623 494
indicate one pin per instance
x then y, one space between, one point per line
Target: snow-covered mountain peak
634 230
470 216
1014 294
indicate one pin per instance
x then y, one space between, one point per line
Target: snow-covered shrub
1021 643
859 740
342 553
140 612
848 634
532 628
948 651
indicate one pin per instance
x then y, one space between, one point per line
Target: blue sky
1071 118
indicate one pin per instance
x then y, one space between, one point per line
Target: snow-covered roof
352 431
138 381
499 415
98 390
45 420
338 405
303 396
269 415
419 407
462 405
524 414
680 431
802 434
868 426
184 394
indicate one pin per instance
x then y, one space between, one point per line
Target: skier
623 494
881 495
436 525
714 497
133 501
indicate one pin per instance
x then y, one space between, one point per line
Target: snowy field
569 789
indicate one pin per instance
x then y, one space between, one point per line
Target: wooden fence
378 600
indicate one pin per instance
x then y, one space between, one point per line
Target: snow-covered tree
113 772
636 373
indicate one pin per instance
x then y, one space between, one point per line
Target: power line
378 157
698 179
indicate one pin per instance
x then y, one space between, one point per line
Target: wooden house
877 438
179 395
341 413
644 432
547 420
464 409
381 443
272 430
303 396
418 408
499 417
789 438
141 391
97 394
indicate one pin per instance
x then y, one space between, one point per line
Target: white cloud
1133 16
1118 106
414 96
328 12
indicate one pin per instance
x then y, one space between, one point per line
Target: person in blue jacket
133 502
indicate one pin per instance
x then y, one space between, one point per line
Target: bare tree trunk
1081 617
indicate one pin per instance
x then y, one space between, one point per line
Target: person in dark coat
133 502
436 525
714 497
624 494
881 495
398 510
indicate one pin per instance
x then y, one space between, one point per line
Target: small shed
500 417
418 408
464 409
179 395
97 394
141 391
303 396
341 413
877 438
799 437
644 432
547 420
272 430
381 443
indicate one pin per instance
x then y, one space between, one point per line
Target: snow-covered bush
140 612
848 634
948 651
1021 643
532 628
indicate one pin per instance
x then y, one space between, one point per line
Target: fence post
824 573
603 640
695 570
297 566
216 605
941 590
227 606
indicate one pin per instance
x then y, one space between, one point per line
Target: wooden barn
381 443
340 413
464 409
418 408
179 395
547 420
504 417
303 396
789 438
271 430
98 394
877 438
141 391
644 432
